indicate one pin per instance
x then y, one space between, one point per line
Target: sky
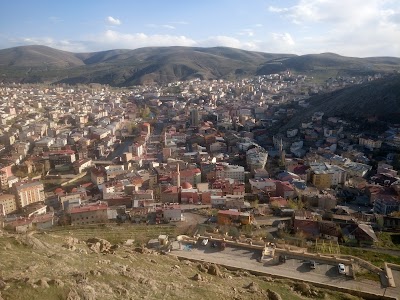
358 28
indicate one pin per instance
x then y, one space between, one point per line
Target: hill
124 67
331 65
38 56
380 98
58 265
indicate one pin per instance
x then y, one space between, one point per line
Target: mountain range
124 67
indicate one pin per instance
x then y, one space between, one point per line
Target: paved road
293 268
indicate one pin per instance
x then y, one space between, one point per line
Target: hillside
380 98
331 65
58 265
124 67
38 56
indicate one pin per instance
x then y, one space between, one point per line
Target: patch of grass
30 293
374 257
367 275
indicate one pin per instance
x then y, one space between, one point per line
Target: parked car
282 258
204 242
342 269
313 265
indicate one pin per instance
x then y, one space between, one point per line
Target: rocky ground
58 266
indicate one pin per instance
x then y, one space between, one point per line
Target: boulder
73 295
202 268
43 282
214 270
197 277
99 245
273 295
57 282
252 287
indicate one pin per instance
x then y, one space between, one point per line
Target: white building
230 171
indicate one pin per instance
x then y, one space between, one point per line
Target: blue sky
347 27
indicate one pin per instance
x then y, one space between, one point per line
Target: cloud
55 20
168 26
284 38
246 32
356 27
113 21
227 41
115 39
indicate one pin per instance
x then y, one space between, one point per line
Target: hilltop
124 67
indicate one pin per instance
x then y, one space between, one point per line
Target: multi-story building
370 143
8 204
62 157
28 192
386 204
193 176
89 214
321 179
226 171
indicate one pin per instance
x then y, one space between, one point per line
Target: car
214 245
282 258
313 265
341 269
204 242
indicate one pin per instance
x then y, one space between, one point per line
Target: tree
145 113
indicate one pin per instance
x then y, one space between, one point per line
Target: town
216 151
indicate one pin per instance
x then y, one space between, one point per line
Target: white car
204 242
342 269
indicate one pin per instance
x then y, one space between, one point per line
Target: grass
374 257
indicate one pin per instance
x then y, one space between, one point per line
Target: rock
71 241
142 250
214 270
2 285
202 268
57 282
42 282
73 295
69 247
99 245
252 287
153 261
187 262
80 278
1 298
302 288
273 295
7 246
176 267
89 293
197 277
95 272
129 242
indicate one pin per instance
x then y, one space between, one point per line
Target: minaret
282 153
178 179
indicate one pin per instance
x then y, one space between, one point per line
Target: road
293 268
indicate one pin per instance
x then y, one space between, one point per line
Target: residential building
89 214
28 192
8 204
